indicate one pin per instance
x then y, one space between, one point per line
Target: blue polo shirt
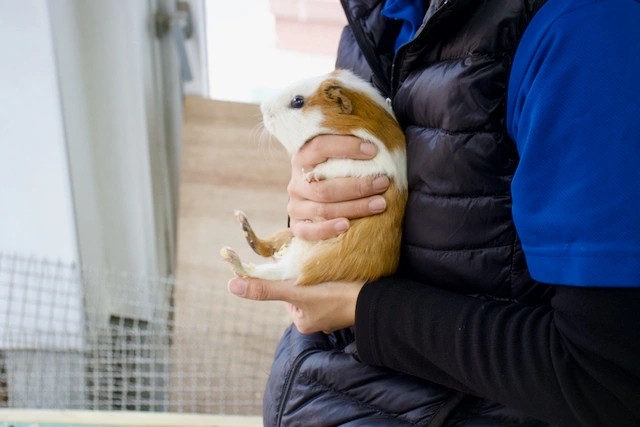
410 13
573 110
574 113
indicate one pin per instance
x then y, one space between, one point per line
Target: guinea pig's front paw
311 176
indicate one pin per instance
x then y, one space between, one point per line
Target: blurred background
129 133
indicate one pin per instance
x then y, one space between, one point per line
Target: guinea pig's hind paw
232 257
246 228
242 219
240 216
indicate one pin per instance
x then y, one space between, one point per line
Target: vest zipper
400 54
288 381
390 85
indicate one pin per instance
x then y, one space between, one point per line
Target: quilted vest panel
449 89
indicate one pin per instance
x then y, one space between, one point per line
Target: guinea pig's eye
297 102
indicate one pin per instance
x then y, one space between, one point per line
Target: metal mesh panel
76 338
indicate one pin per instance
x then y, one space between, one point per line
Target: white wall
36 209
122 111
101 59
36 204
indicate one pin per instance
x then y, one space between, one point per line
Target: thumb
261 290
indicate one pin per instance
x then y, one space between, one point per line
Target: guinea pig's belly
293 257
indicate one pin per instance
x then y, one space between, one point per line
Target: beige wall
224 345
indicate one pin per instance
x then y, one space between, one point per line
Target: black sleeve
573 362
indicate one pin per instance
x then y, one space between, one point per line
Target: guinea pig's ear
335 93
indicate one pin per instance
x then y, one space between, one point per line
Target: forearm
568 363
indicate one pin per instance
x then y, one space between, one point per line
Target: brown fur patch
264 247
370 249
364 114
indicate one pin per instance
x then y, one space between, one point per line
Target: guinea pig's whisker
254 135
265 139
258 135
271 142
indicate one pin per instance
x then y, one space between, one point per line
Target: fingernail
238 287
368 148
341 226
380 183
377 205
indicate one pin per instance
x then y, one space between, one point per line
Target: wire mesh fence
76 338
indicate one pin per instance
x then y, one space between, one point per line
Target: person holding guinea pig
517 298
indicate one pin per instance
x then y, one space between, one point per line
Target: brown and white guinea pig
343 104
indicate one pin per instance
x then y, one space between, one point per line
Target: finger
294 311
261 290
324 147
315 231
289 307
306 209
299 319
338 189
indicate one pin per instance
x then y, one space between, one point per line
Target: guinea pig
338 103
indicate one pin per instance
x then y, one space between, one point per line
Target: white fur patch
293 127
391 164
287 267
292 130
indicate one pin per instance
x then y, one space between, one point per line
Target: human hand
325 307
335 200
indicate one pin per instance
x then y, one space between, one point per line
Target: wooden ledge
125 418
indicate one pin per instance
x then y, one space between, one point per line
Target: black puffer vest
449 89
